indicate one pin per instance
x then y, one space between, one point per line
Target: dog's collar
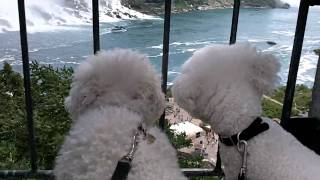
255 128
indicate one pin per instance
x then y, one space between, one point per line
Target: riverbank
152 8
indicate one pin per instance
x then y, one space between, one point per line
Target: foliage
177 140
271 109
193 161
302 98
301 102
51 121
11 116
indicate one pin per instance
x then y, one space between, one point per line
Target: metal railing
165 56
95 26
296 53
295 59
27 85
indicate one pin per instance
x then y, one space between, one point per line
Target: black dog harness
241 138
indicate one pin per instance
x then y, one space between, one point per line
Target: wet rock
271 43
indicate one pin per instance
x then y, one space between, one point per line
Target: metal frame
95 26
165 56
295 60
234 25
315 108
296 53
27 85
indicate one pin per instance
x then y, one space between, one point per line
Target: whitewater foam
52 15
178 43
173 72
307 67
33 50
154 56
284 33
279 48
191 43
156 47
256 40
7 58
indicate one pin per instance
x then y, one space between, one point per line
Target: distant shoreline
155 9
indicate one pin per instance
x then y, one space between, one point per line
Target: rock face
271 43
156 6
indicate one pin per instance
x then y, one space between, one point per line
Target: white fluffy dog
223 85
111 95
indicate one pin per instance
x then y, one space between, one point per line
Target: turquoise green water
189 31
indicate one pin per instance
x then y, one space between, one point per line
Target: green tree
49 88
11 116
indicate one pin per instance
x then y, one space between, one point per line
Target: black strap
241 177
124 164
255 128
122 169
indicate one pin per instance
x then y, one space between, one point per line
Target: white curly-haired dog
223 85
111 95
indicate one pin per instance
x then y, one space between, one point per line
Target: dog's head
118 77
224 83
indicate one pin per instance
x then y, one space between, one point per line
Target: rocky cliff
157 6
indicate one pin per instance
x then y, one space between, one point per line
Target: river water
68 45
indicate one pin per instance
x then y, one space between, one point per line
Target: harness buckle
243 171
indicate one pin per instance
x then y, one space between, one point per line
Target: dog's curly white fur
111 94
223 85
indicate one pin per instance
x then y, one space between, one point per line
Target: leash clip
244 152
133 149
124 164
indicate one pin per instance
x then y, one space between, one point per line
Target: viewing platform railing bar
315 108
295 60
165 54
189 172
27 86
39 174
235 19
314 2
95 26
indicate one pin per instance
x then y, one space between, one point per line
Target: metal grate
296 53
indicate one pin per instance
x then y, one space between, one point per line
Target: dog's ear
264 75
80 98
185 93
